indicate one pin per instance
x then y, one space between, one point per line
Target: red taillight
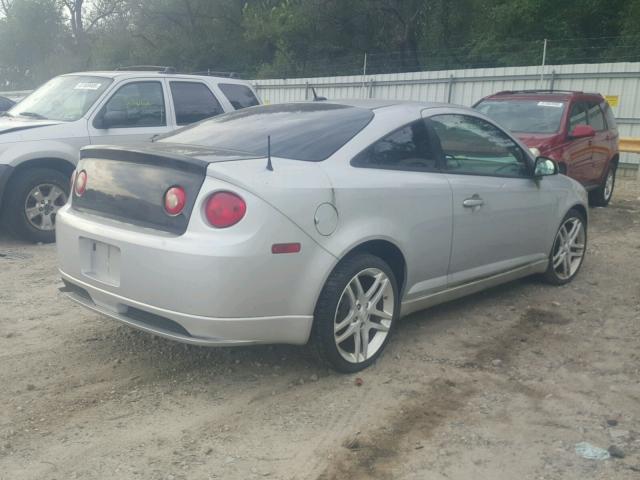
174 200
81 183
224 209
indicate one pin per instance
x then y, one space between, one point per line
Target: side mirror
583 131
544 167
109 119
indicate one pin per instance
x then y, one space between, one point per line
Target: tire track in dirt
374 454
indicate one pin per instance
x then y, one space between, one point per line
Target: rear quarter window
609 116
240 96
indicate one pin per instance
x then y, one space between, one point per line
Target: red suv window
577 115
596 118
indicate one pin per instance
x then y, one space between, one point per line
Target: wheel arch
387 251
615 160
582 209
59 164
63 166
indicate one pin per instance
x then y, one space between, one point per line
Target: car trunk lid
129 184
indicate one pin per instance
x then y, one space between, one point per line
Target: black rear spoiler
146 156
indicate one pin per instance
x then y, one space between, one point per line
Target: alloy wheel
569 248
42 205
364 315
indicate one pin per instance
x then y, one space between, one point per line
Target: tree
29 43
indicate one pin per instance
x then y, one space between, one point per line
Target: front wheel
569 248
356 313
33 200
601 196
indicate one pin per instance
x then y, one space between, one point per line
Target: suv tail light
224 209
174 201
80 183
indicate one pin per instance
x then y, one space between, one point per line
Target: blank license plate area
100 261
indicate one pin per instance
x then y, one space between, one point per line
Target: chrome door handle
473 202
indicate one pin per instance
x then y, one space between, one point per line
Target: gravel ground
500 385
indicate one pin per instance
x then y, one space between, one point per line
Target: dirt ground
501 385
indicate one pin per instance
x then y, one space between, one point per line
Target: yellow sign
612 100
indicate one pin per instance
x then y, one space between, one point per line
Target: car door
135 111
600 144
193 101
500 214
403 193
579 150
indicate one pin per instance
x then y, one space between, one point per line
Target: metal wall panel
465 87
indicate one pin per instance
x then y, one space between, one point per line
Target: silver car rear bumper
206 287
186 328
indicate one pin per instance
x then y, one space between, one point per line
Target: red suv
576 129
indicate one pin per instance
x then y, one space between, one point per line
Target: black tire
551 276
601 196
20 187
322 335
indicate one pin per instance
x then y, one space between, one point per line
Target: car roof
126 74
375 104
541 94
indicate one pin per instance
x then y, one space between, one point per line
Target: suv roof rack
163 69
213 73
147 68
535 90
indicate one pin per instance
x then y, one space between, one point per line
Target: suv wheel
601 196
33 200
356 313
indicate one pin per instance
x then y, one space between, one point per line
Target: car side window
474 146
240 96
596 118
408 148
137 104
193 101
577 116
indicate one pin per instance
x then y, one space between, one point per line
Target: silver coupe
319 222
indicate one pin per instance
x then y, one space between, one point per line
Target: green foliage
288 38
30 41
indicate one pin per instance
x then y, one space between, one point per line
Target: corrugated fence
619 82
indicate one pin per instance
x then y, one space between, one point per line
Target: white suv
41 136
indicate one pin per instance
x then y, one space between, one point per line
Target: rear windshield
525 116
299 131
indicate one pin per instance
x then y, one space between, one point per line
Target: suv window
5 104
408 148
596 118
240 96
193 102
577 116
474 146
137 104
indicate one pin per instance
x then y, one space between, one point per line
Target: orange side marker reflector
285 248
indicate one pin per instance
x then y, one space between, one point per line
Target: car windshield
299 131
525 116
66 98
